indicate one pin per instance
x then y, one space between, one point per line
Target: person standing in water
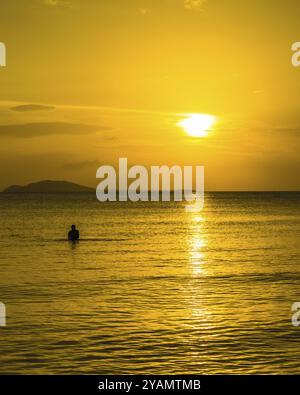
73 234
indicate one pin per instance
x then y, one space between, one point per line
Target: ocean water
150 288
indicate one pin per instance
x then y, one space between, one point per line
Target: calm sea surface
150 288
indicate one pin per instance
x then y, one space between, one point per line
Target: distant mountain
49 187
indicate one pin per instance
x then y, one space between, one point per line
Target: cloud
192 4
47 129
32 107
144 11
81 165
54 3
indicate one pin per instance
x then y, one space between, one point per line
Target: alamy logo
2 314
160 179
2 55
296 55
296 315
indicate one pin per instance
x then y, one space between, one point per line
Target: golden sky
90 81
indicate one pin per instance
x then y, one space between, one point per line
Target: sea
150 288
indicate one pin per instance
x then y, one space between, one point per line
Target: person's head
73 227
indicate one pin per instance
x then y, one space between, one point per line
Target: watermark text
2 314
296 55
164 182
296 315
2 55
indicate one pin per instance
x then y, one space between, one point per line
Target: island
49 186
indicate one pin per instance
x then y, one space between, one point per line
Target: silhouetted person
73 234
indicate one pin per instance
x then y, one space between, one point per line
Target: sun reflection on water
197 243
198 309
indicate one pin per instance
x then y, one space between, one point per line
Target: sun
197 125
